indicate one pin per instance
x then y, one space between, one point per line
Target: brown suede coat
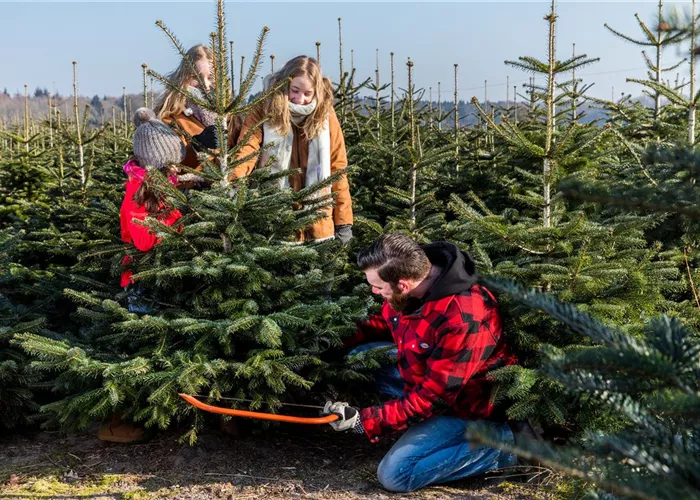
337 215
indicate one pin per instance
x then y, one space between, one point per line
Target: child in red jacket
155 145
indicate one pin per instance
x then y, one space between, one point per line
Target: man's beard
398 299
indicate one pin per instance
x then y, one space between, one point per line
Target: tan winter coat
337 215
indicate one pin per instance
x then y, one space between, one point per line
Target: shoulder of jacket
189 124
440 306
458 306
132 184
446 311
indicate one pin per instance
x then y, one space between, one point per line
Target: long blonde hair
171 102
276 108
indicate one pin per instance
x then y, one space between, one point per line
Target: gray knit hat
155 144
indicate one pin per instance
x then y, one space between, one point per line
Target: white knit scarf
318 167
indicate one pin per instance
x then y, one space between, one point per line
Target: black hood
458 273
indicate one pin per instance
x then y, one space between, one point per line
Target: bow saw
259 415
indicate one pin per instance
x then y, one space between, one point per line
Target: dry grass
279 465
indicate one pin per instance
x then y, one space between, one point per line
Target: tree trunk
79 141
657 96
547 162
691 102
412 123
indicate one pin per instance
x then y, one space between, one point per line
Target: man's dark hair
395 256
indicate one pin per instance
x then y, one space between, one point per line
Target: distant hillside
468 114
12 107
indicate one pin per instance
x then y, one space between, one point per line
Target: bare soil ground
286 462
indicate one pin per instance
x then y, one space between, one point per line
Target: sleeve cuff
373 437
359 427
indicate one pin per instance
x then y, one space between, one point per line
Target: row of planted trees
586 229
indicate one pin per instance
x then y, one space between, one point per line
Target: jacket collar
458 275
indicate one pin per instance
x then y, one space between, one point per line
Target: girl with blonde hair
302 132
175 108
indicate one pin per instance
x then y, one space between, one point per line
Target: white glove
348 417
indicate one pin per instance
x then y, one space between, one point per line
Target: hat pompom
143 115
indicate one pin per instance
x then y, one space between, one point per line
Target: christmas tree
55 208
650 382
230 305
584 255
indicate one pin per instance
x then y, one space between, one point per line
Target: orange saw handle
259 415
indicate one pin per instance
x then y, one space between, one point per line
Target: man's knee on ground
392 474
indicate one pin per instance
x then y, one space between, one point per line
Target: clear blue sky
110 40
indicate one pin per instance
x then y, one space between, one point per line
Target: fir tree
16 379
234 309
652 383
63 201
400 153
597 260
51 217
667 123
658 37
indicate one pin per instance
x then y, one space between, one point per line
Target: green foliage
529 231
16 316
596 222
249 319
226 304
651 382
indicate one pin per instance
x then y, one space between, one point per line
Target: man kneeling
447 336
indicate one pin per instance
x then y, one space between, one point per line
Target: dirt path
276 465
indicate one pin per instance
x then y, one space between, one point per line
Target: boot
118 431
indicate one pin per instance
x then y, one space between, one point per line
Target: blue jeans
435 450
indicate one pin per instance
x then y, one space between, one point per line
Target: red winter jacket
447 342
140 236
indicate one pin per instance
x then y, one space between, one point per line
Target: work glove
348 417
344 233
207 139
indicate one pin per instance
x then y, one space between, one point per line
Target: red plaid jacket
445 350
